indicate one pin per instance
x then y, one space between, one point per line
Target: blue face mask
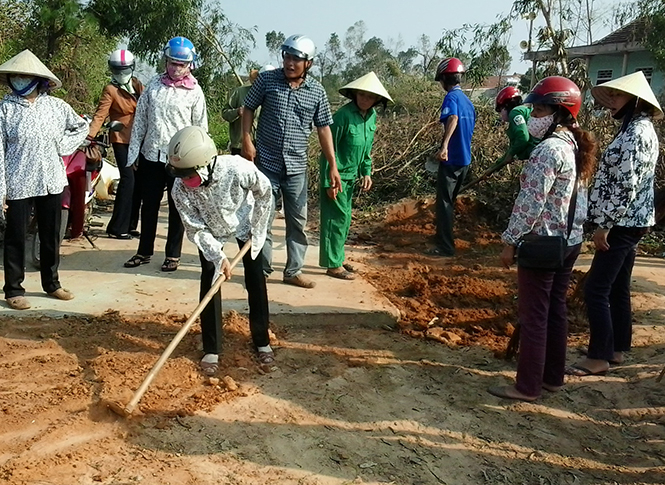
23 85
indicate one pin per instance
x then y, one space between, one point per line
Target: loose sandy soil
348 403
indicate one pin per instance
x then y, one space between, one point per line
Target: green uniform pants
335 224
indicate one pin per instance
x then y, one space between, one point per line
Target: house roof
493 82
626 39
634 31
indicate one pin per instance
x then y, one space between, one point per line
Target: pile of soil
466 300
102 360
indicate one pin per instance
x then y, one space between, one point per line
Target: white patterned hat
635 84
28 64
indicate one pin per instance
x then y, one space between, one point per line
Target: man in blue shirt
459 119
291 104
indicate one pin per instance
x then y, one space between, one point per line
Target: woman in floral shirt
170 102
36 131
552 185
219 198
622 205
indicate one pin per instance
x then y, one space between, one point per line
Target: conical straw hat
635 84
370 83
29 64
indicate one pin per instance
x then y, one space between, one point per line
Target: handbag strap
572 206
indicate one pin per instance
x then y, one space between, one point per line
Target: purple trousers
543 318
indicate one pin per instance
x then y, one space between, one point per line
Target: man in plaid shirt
291 104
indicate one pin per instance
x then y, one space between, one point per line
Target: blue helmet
180 49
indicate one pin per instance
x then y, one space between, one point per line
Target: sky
386 19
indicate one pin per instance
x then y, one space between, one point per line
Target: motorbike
83 176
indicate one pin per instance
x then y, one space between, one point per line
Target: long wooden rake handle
183 331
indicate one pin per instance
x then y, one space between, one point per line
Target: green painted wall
635 60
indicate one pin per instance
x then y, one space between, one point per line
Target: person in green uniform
353 134
509 106
232 110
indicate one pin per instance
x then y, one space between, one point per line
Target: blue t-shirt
459 147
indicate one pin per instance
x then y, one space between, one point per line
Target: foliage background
74 39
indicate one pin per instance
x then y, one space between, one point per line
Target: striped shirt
288 116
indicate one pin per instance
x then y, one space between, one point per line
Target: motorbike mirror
116 126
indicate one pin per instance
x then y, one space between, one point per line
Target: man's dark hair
452 79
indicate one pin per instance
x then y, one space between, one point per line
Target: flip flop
585 351
579 371
509 392
342 275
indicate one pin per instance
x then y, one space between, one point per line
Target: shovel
129 408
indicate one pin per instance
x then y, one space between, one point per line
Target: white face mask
122 78
537 127
21 83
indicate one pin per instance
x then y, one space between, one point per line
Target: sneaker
18 302
299 280
62 294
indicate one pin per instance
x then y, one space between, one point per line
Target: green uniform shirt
521 143
230 114
353 136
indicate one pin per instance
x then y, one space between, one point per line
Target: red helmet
558 91
505 95
449 65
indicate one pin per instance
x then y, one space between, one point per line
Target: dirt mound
104 359
466 300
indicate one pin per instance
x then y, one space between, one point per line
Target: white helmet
267 67
299 46
189 150
121 59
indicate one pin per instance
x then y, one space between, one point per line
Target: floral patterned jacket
546 187
622 192
236 202
33 138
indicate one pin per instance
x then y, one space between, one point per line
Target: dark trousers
543 317
607 294
448 184
127 203
257 295
48 210
154 178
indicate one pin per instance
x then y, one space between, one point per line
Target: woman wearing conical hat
36 130
353 134
622 205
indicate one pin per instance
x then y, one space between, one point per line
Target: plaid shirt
287 119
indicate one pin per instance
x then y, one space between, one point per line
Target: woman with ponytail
622 205
552 202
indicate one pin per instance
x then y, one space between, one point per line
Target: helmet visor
180 172
121 71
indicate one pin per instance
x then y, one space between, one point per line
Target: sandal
209 368
170 264
342 275
350 268
137 260
266 358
